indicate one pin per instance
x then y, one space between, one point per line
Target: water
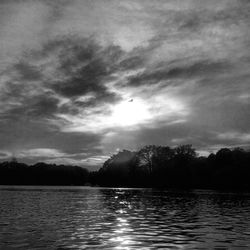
95 218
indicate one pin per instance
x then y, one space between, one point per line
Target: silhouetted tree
162 157
185 152
117 168
146 158
161 166
14 173
151 166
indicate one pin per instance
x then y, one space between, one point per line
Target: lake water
96 218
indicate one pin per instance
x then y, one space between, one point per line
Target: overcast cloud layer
69 69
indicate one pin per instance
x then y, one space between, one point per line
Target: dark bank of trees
179 167
151 166
14 173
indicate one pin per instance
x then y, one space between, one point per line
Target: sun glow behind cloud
126 114
130 113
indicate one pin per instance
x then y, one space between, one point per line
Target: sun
129 113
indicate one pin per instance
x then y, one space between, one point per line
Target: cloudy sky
82 79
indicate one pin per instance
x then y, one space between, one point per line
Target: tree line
178 167
15 173
151 166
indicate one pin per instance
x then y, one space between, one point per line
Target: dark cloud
196 20
82 65
35 134
22 100
3 155
26 72
43 106
132 62
199 69
82 68
195 70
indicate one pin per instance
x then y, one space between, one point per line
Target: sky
82 79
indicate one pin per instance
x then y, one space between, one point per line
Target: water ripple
93 218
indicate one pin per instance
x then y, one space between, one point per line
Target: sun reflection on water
122 237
